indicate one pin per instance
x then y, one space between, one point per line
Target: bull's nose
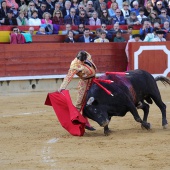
105 123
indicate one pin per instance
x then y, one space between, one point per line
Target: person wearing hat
9 19
133 20
159 38
136 38
150 36
85 69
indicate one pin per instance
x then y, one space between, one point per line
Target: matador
85 69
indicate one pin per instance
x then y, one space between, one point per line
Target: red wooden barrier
153 57
54 58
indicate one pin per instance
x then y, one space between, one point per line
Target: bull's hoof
165 126
107 132
146 125
148 128
90 128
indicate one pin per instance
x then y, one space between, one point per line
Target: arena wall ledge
42 66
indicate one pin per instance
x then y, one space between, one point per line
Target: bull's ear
90 101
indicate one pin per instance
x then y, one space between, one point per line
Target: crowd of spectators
48 13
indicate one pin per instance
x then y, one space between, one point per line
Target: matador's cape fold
67 114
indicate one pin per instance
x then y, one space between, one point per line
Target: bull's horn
90 101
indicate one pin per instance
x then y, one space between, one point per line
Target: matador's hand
60 90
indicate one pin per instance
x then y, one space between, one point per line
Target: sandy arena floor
32 139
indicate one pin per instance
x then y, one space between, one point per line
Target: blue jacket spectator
147 28
72 18
86 38
135 7
118 18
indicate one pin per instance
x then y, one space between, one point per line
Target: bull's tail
163 79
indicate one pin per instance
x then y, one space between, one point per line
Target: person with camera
85 69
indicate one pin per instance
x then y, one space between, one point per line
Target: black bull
130 91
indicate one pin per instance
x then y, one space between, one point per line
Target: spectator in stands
74 4
153 17
68 28
135 7
16 37
105 18
112 9
94 20
133 20
109 3
129 31
41 31
21 19
70 38
148 8
41 10
24 8
102 38
47 22
83 18
157 25
31 8
66 9
72 18
136 38
116 27
58 18
34 20
12 5
3 10
166 27
98 32
31 30
164 17
37 3
168 9
159 38
114 30
150 36
118 37
101 8
141 15
80 8
97 4
158 7
146 28
46 18
86 38
57 7
21 2
81 29
125 10
9 19
50 6
89 9
84 3
61 2
118 18
104 28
